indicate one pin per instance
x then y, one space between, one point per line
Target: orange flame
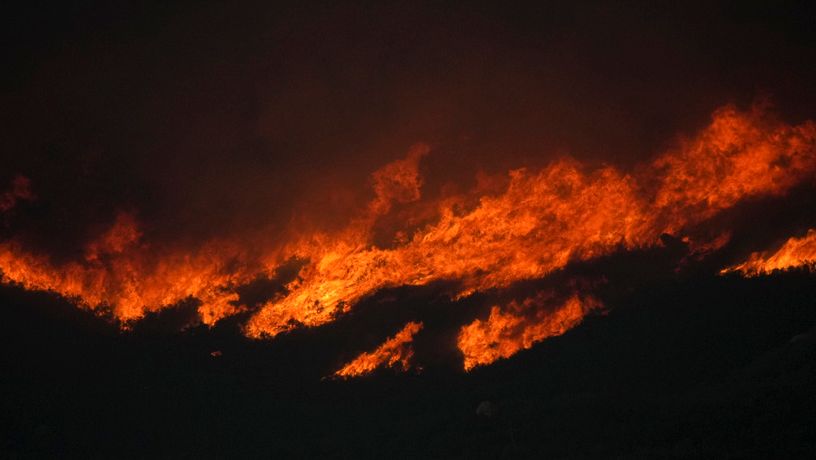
394 352
540 222
739 155
545 219
519 326
796 252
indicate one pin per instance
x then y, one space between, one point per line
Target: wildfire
796 252
538 223
545 219
394 352
121 273
518 326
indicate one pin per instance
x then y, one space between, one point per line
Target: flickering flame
538 223
796 252
545 219
396 352
518 326
124 275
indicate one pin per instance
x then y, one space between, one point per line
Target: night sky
258 121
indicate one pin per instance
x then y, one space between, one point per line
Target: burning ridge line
540 222
796 252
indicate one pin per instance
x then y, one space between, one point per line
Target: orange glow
739 155
518 326
796 252
124 275
539 222
20 190
395 352
545 219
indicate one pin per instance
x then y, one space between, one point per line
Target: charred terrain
408 230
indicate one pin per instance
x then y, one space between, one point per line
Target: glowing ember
396 352
518 326
796 252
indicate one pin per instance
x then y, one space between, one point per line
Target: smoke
20 190
195 155
210 126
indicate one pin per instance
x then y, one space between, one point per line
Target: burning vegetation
519 326
396 352
539 222
796 252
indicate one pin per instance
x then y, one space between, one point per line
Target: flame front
796 252
539 222
20 190
128 277
545 219
518 326
395 352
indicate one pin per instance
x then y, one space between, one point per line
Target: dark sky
210 118
219 118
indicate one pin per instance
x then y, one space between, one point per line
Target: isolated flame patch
796 252
396 352
518 326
